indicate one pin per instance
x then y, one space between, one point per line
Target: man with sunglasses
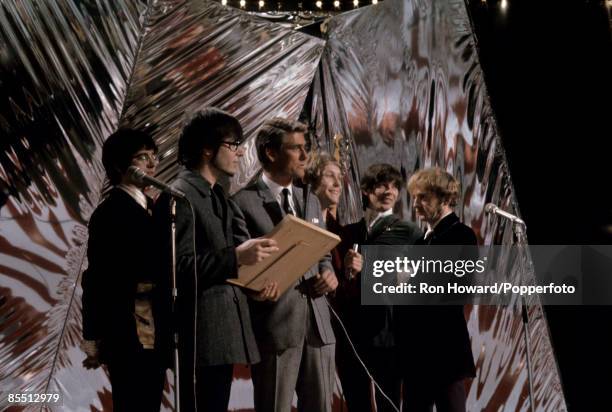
212 316
118 315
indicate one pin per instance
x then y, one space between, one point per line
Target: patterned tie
286 204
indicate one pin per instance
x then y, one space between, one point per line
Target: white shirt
277 191
372 216
135 193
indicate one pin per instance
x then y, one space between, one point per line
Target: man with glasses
294 335
118 318
212 316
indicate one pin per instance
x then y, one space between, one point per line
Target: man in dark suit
371 327
212 316
294 335
119 322
438 354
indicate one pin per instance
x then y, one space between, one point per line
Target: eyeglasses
145 157
234 145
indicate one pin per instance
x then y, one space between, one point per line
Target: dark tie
286 205
218 200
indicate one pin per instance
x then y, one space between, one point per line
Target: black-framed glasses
146 157
233 145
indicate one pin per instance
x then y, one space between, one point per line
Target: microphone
350 273
490 208
137 176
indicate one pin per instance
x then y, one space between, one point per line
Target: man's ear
271 154
207 154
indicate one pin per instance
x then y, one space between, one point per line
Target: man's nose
240 151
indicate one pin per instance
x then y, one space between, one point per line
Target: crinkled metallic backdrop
400 82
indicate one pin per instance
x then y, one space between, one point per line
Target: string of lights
279 5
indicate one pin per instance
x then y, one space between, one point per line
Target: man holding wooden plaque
294 334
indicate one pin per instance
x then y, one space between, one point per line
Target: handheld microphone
350 273
490 208
138 176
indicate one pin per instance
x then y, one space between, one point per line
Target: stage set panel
397 82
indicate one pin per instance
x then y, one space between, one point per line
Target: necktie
286 205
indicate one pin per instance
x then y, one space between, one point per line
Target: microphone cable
195 303
365 368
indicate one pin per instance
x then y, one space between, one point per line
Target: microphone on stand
139 177
491 209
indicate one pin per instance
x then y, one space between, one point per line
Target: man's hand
324 283
91 349
269 292
353 263
255 250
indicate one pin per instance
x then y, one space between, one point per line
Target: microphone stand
177 403
521 241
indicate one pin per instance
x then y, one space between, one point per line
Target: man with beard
294 335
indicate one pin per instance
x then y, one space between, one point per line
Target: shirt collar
277 189
135 194
372 216
431 228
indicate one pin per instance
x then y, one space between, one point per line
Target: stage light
356 3
224 2
242 4
504 4
337 4
261 4
374 2
319 4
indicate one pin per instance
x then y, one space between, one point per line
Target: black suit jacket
120 254
370 325
436 337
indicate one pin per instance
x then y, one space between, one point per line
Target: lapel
298 197
195 180
129 202
270 204
382 225
203 187
442 227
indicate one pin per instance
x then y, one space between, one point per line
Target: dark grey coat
281 325
224 331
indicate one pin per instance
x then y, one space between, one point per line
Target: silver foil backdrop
64 70
197 54
402 84
400 81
